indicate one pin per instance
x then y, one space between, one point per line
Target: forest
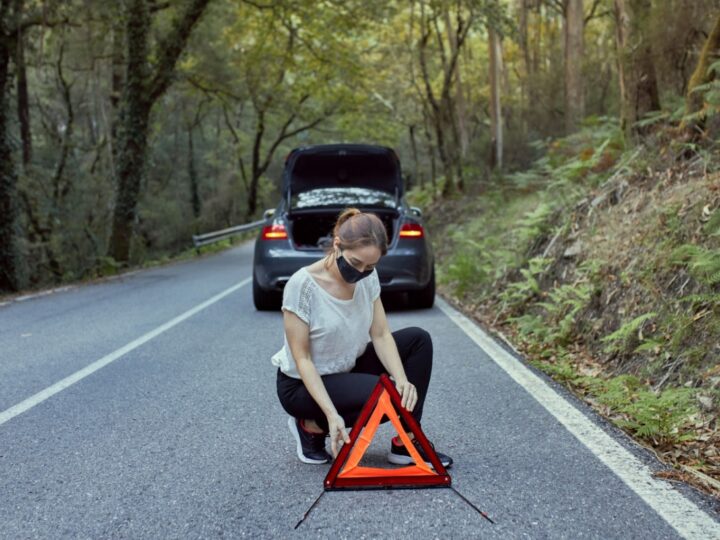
564 151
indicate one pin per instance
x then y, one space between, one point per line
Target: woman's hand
408 393
338 435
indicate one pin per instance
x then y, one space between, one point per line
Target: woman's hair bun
366 229
344 216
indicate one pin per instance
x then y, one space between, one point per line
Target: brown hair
357 229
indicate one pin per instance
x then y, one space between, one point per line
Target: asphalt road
182 435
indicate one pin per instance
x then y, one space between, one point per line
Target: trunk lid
342 166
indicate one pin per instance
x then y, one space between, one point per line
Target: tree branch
258 5
154 7
593 15
558 5
218 92
229 125
40 19
423 69
172 45
60 193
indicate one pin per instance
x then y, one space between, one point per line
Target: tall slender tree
694 100
636 69
574 30
496 120
15 20
144 84
9 260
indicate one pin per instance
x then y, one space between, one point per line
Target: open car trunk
313 229
342 166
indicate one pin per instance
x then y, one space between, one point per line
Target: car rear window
342 197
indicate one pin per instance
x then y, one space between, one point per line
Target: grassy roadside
602 266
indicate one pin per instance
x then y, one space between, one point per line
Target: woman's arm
298 336
389 356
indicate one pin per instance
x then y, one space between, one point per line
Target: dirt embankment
616 295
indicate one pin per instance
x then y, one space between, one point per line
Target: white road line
59 386
680 513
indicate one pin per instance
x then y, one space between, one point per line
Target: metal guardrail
216 236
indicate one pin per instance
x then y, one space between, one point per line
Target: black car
319 182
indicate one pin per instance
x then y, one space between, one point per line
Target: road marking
680 513
68 381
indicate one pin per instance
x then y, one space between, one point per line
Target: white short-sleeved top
339 329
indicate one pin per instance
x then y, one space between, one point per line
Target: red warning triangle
346 473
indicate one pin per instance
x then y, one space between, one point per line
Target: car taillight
274 232
411 230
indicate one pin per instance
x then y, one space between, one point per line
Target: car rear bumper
401 269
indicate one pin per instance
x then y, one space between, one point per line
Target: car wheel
265 300
424 298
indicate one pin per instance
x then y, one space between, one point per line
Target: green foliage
710 93
649 415
564 304
107 266
618 340
534 223
465 269
708 299
555 326
561 370
422 195
519 292
712 227
702 263
532 326
660 417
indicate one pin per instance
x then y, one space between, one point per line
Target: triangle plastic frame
353 476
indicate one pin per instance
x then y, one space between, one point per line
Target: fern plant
661 417
565 302
519 292
703 264
617 341
534 223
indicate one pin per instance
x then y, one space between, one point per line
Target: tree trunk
255 164
10 279
132 132
61 187
430 151
496 128
574 44
9 260
459 109
621 30
23 101
638 82
192 173
694 101
142 89
117 76
416 178
526 82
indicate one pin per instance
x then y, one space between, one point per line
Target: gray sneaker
310 446
399 455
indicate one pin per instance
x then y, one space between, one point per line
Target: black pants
350 391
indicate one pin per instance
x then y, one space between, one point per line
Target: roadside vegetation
602 266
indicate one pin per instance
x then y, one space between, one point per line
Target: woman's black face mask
349 273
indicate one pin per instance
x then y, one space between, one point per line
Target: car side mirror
415 210
267 214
